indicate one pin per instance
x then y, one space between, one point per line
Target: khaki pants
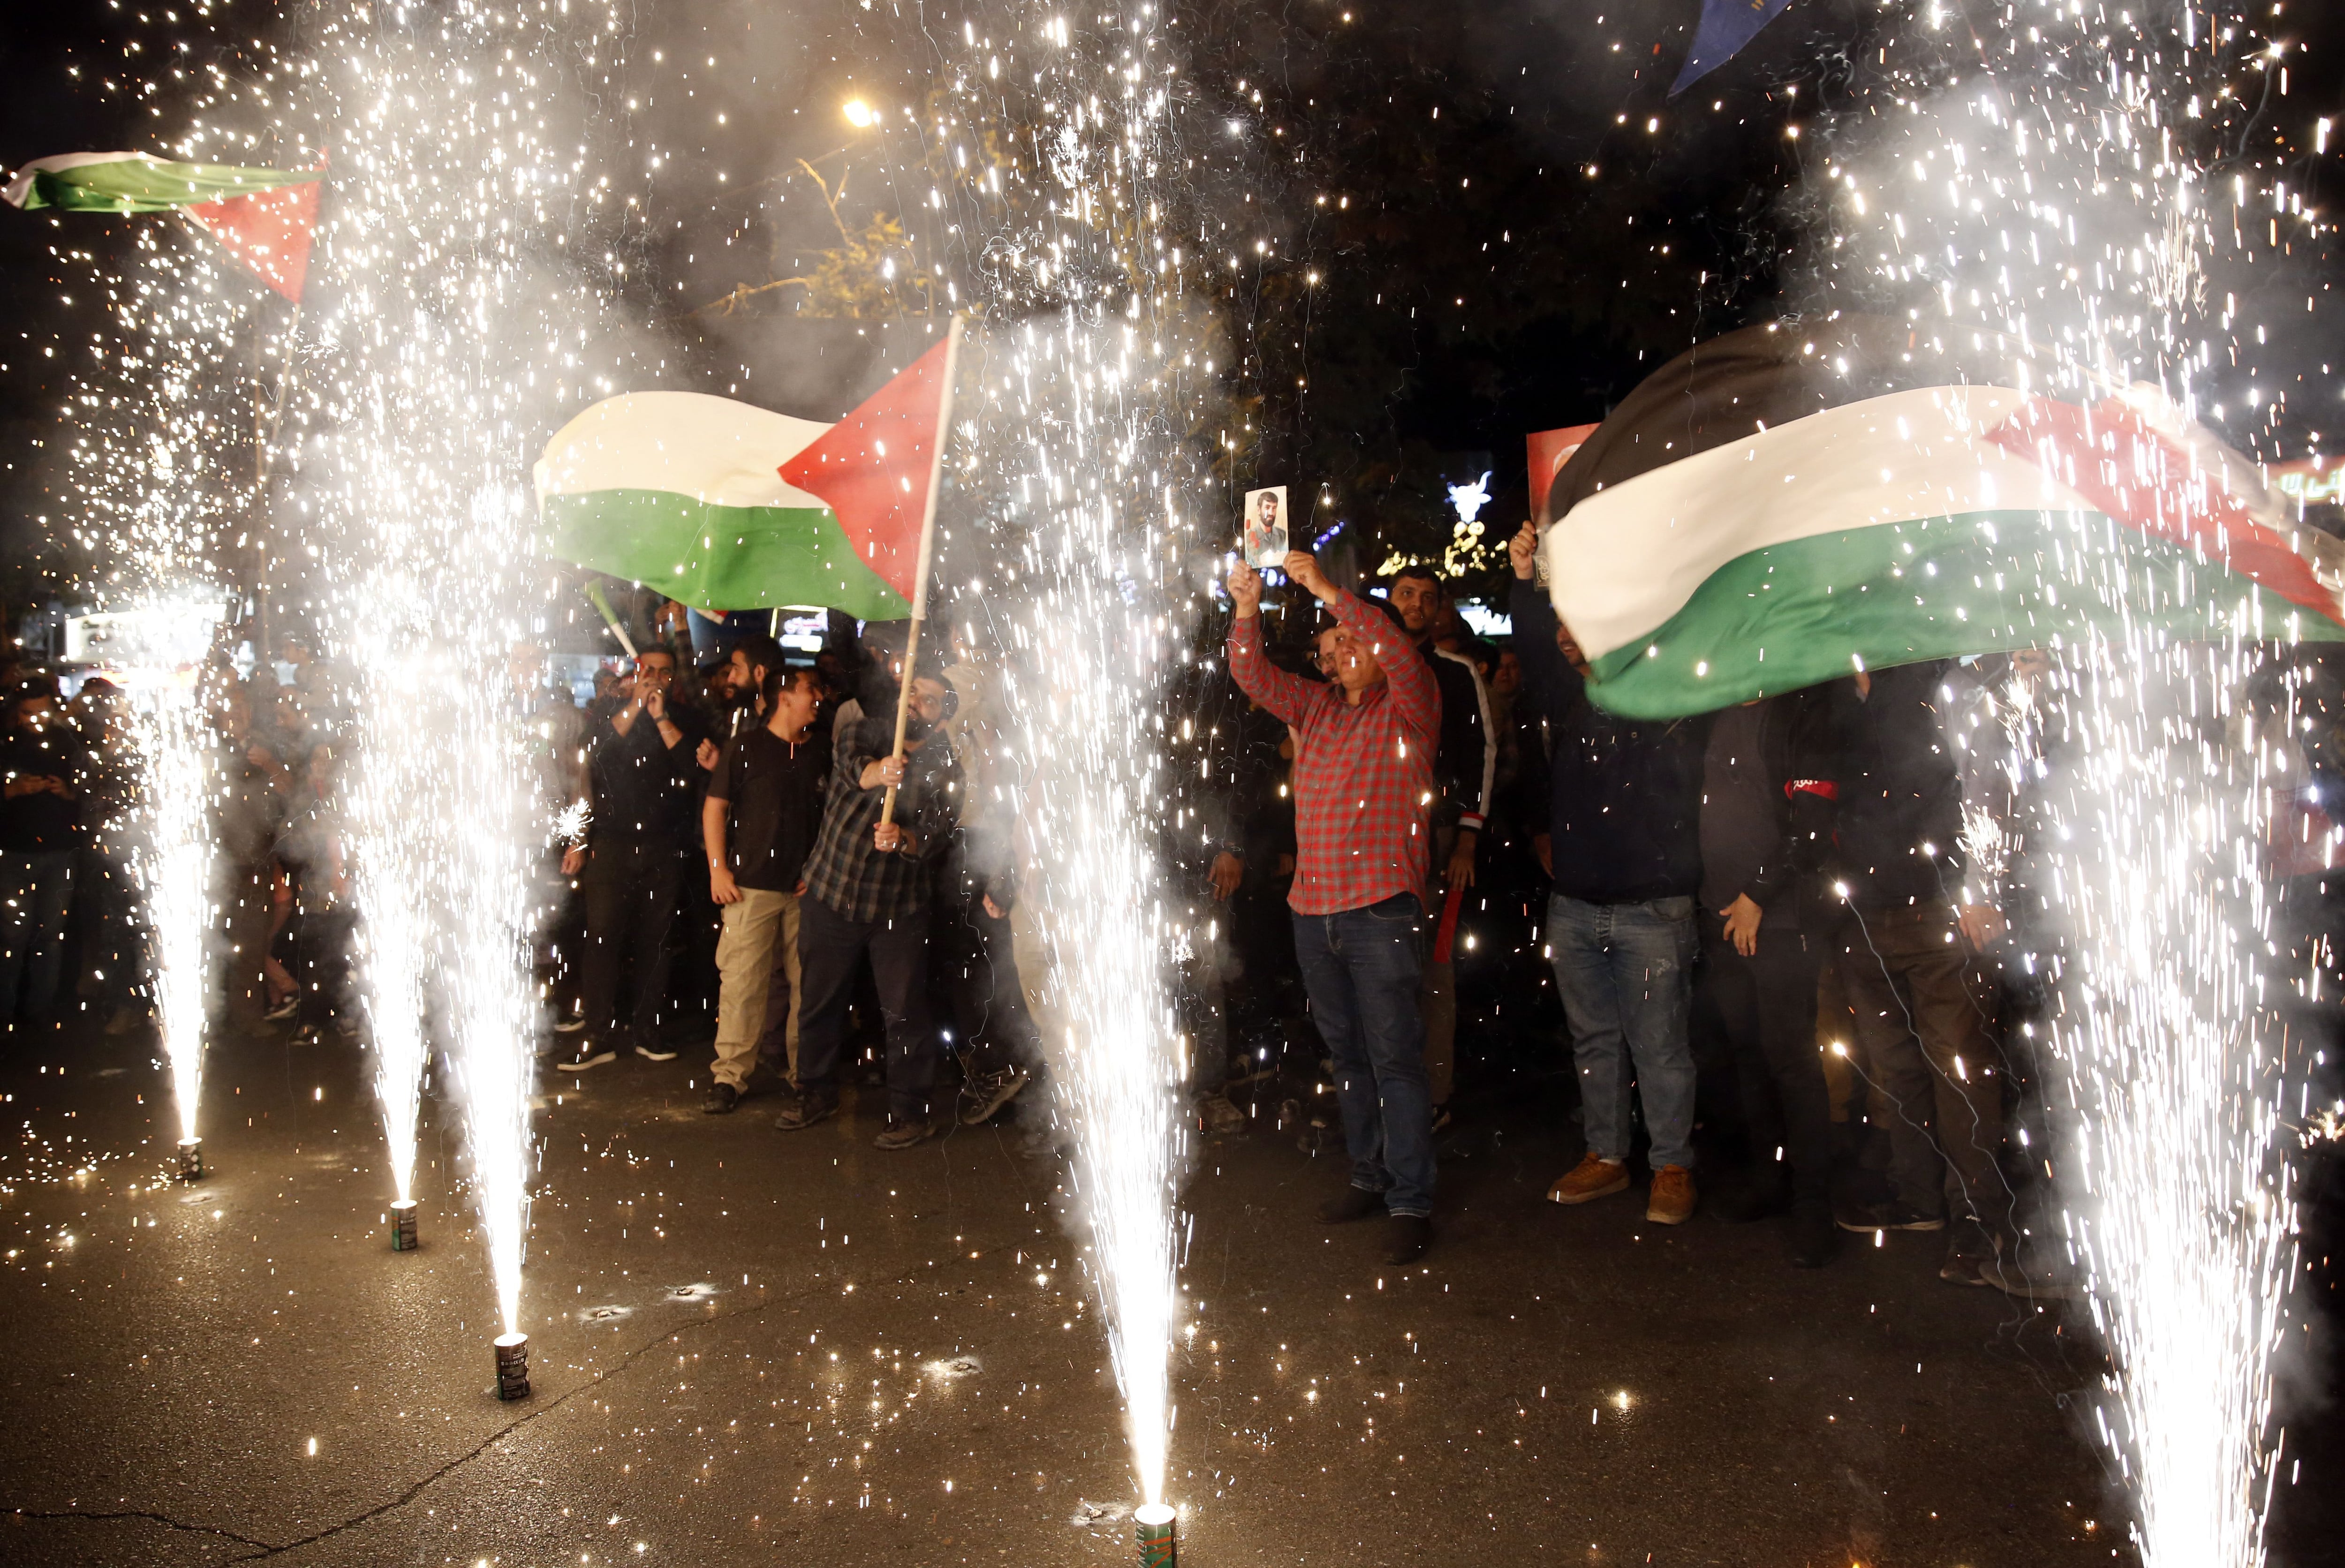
744 966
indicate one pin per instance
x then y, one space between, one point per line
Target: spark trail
1078 445
2049 204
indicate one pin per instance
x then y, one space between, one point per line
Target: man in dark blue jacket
1767 789
1624 847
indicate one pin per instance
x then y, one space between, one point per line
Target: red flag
875 466
269 231
1550 451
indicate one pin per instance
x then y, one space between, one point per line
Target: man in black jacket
1464 770
640 767
1623 809
1767 799
1909 956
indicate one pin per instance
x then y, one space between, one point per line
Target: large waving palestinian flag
265 218
725 506
1772 510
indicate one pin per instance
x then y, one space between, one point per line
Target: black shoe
1441 1119
1808 1241
571 1025
807 1110
1864 1219
906 1134
721 1100
655 1054
587 1057
1407 1236
1358 1203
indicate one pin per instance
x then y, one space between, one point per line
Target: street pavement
757 1347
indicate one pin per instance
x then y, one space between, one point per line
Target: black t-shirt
774 794
644 787
43 820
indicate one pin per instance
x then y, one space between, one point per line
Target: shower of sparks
2053 219
173 847
1078 441
449 314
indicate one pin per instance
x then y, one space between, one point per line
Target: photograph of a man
1265 527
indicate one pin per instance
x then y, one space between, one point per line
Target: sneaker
1958 1270
1591 1177
1406 1237
1356 1203
807 1110
722 1099
984 1096
906 1134
2017 1275
654 1054
284 1009
1671 1200
571 1025
588 1057
1864 1219
1219 1115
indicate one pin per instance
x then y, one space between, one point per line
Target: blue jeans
1361 968
36 889
1625 974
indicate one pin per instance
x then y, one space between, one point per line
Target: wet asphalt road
751 1347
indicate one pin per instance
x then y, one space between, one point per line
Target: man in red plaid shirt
1363 790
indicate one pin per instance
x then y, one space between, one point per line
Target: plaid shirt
1363 771
844 870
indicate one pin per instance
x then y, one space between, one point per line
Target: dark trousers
631 903
1765 1007
36 889
1362 968
828 945
1924 1015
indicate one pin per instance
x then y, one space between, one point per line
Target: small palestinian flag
1781 507
723 505
265 218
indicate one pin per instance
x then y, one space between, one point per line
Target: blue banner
1726 26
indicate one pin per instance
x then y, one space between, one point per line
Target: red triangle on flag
269 231
873 468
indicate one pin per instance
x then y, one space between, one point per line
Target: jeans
828 945
1766 1008
37 888
1362 968
1625 974
1924 1036
631 904
759 945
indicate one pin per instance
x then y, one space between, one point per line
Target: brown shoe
1670 1201
1591 1177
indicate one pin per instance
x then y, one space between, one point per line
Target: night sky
1427 165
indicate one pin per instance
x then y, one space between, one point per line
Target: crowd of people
1769 941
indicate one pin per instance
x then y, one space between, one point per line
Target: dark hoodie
1899 840
1625 799
1767 789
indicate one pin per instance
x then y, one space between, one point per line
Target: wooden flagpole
927 547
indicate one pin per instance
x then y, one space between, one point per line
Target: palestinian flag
723 505
1781 507
265 218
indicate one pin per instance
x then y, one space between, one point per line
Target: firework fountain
446 326
1079 446
2052 189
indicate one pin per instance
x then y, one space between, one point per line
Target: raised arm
1548 675
1410 678
1284 694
